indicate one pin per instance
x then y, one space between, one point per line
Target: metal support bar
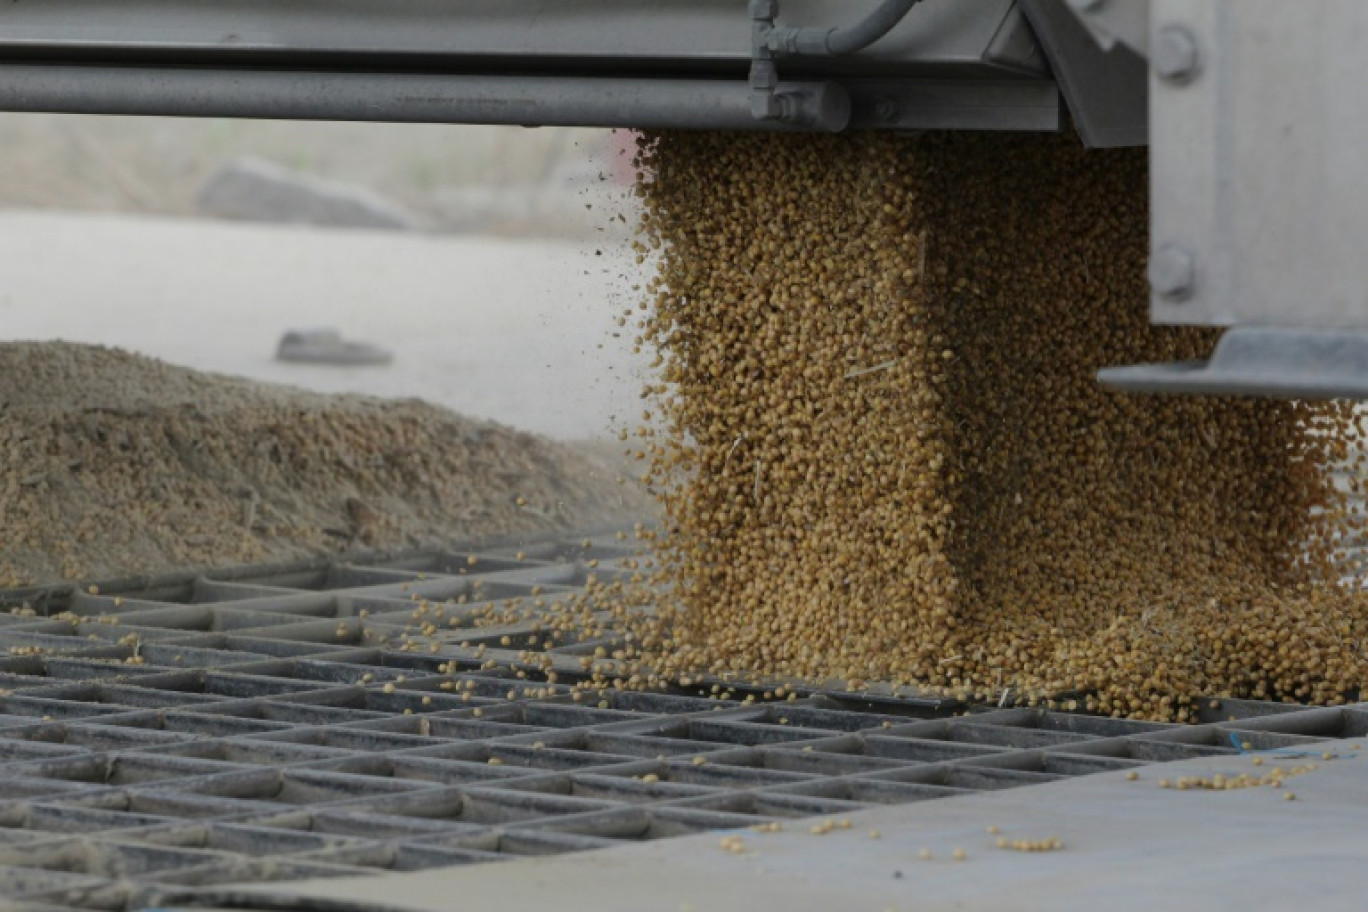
1280 361
963 104
589 37
413 98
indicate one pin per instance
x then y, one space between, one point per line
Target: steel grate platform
272 723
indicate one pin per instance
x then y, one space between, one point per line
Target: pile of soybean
114 464
883 454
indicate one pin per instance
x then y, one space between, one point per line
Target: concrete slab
1128 845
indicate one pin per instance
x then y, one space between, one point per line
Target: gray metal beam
531 101
609 35
714 104
948 104
400 98
950 64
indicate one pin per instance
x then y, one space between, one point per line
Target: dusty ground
115 463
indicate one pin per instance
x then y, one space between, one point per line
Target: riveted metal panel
1259 180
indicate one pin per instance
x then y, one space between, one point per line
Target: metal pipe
414 98
837 42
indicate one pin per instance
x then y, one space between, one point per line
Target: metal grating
254 725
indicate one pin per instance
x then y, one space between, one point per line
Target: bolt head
1172 272
766 107
1174 55
764 77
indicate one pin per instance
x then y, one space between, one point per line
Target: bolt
1174 54
1171 272
766 106
764 75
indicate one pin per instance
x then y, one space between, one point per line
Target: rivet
1174 55
1172 272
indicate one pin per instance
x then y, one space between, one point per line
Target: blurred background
488 263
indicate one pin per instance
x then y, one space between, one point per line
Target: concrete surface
1127 846
517 331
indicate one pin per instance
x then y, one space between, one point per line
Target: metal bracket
1106 85
1283 362
1113 22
